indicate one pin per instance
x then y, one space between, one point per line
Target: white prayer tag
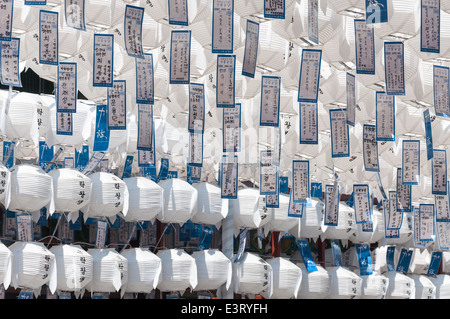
395 217
385 116
103 60
370 148
251 49
441 81
442 207
313 21
48 37
24 227
67 87
426 217
180 57
270 101
268 184
64 123
351 98
394 68
411 162
6 16
196 107
232 128
331 204
430 26
117 106
225 82
364 47
134 17
178 12
196 149
443 235
274 9
439 171
300 181
403 194
309 76
416 226
362 204
145 80
308 123
339 133
74 13
228 180
223 26
146 158
145 127
10 62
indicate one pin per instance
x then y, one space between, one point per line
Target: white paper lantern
374 286
144 270
179 270
180 201
250 210
312 220
31 189
442 284
252 275
5 265
287 278
420 261
400 286
33 266
424 287
214 269
280 221
21 118
346 225
314 284
74 267
145 199
110 270
109 196
71 189
344 284
211 208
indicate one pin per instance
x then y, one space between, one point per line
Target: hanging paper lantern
280 220
214 269
312 220
179 270
400 286
5 265
21 118
346 224
424 287
145 199
314 284
31 189
71 188
287 278
74 267
420 261
33 266
252 275
110 270
344 284
180 201
109 196
250 210
211 208
442 284
374 286
144 270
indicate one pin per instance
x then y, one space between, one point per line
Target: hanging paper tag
64 123
8 154
395 217
309 132
376 11
443 235
439 172
370 148
146 158
351 98
300 181
428 133
251 49
442 207
10 52
100 239
364 259
390 258
416 227
340 145
411 162
178 12
363 213
180 57
404 260
102 133
225 81
53 160
82 158
274 9
45 155
389 233
74 13
430 26
316 190
313 21
6 16
268 178
295 209
309 76
196 108
242 241
222 26
163 169
24 231
205 241
25 294
364 47
394 68
128 167
337 254
273 201
307 257
66 91
103 61
433 268
441 90
284 184
104 164
196 149
331 205
93 162
48 37
403 194
385 116
232 129
145 127
426 219
193 173
145 80
270 101
117 106
134 17
229 177
172 174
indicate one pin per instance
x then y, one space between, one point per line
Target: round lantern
33 266
314 284
252 275
374 286
74 267
424 287
179 270
400 286
214 269
420 261
250 210
287 278
109 196
145 199
346 224
312 225
280 220
344 284
211 208
31 189
180 201
71 189
110 270
21 118
5 265
442 284
144 270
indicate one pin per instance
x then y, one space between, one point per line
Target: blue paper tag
307 257
404 260
316 190
435 262
428 133
127 169
82 158
376 11
390 264
102 133
337 254
8 154
364 259
242 241
164 169
284 184
205 241
45 155
172 174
